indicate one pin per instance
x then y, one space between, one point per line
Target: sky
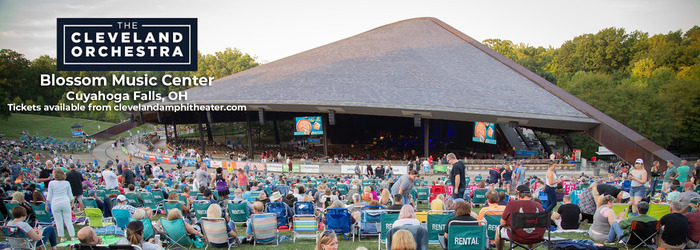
274 29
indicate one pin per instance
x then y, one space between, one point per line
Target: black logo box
87 32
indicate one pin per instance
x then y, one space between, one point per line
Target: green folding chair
437 221
238 212
95 217
9 205
101 194
149 201
157 196
172 204
467 235
386 222
133 199
182 198
194 193
176 233
200 208
42 216
478 178
493 220
479 196
658 210
423 194
90 202
343 189
148 232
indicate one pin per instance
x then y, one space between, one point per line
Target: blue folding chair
304 207
121 217
339 220
280 211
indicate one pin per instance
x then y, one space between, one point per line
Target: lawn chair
215 231
479 196
133 199
157 196
18 239
437 221
194 193
623 207
386 222
176 233
343 189
101 194
658 210
90 202
200 208
264 228
9 205
642 234
436 190
420 235
280 211
339 220
238 212
529 221
148 232
576 196
284 190
121 217
172 204
95 217
369 222
543 198
150 201
493 220
465 235
422 194
304 208
42 216
254 195
304 223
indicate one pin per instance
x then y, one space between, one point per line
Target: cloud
27 34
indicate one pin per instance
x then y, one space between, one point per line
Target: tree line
650 83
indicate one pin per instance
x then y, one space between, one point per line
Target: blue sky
273 29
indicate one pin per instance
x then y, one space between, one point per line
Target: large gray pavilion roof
416 66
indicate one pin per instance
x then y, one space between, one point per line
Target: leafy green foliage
650 84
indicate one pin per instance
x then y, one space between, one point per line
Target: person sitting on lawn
567 217
87 235
617 228
46 235
258 207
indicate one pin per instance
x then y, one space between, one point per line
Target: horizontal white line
164 25
88 25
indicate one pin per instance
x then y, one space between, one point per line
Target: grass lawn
57 127
54 126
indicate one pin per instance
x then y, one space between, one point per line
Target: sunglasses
328 232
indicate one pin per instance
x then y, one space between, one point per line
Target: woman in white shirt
407 216
60 197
